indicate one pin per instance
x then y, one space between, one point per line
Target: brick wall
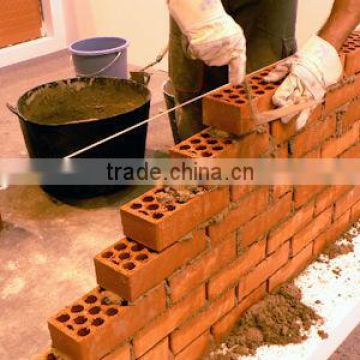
192 268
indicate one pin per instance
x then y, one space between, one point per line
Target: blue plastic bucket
100 57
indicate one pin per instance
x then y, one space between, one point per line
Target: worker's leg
187 77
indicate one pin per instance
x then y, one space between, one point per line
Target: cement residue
279 319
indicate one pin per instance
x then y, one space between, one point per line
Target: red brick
248 208
192 329
351 51
340 94
101 340
283 132
225 324
352 153
292 268
196 349
313 136
168 322
352 113
311 231
281 190
355 212
238 191
263 223
150 268
159 352
139 222
123 353
347 201
332 233
287 230
228 109
264 270
196 273
304 193
233 272
329 196
335 147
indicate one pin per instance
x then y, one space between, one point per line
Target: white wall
145 22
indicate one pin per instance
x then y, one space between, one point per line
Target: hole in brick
205 136
63 318
107 255
228 91
228 141
170 207
153 207
242 92
80 320
158 216
263 83
346 51
144 212
264 73
91 299
70 327
83 332
138 247
269 87
124 256
142 257
95 310
120 247
51 356
240 102
212 142
148 199
195 141
185 147
260 92
129 266
136 206
218 148
278 83
77 308
237 87
234 96
111 312
98 322
217 95
201 147
115 262
256 78
206 154
255 87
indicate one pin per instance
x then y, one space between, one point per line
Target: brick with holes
229 108
351 50
162 217
85 329
129 269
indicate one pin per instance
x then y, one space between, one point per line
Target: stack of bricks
188 270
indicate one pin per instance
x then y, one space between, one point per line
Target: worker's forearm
344 18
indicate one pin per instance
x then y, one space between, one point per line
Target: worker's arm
344 18
212 35
317 65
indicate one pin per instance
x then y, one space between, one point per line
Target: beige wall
145 22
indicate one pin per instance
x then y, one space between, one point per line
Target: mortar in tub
62 117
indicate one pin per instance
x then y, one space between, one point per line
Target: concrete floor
47 246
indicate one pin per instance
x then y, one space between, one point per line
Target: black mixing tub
52 138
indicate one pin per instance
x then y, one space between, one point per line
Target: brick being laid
160 218
129 269
100 321
351 51
229 109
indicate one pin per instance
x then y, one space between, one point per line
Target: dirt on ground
280 319
82 101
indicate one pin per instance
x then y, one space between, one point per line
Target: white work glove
213 35
311 71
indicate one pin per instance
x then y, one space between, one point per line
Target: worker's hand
310 72
213 36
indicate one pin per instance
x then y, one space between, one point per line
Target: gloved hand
311 71
213 35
